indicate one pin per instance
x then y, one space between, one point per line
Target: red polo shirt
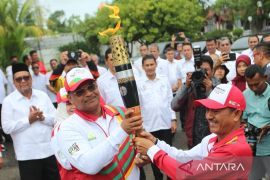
230 158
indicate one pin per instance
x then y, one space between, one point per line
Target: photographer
257 114
196 126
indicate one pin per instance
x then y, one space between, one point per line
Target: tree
16 23
241 9
56 22
147 20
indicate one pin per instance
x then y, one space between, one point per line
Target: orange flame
115 15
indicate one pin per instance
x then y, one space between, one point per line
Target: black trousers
39 169
164 135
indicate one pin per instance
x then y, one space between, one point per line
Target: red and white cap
222 96
75 77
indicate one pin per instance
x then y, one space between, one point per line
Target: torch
121 62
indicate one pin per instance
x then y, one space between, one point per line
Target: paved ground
11 172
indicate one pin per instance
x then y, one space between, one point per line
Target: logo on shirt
73 149
91 136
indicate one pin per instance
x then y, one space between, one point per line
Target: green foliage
86 47
146 21
217 34
16 23
237 32
58 24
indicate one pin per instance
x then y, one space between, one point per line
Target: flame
115 15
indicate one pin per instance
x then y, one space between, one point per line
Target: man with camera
257 114
198 85
228 58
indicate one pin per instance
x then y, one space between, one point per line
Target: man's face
86 97
143 50
34 57
187 51
257 84
179 48
252 42
14 60
221 121
154 51
149 67
22 81
95 59
170 55
109 63
35 69
207 68
266 39
225 46
258 57
53 65
211 46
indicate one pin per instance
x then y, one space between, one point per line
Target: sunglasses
20 79
80 92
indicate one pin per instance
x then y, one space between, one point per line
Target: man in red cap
224 154
94 142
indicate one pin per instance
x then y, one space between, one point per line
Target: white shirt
10 85
217 52
249 53
162 67
109 90
31 141
186 67
39 82
94 149
51 95
101 70
155 101
138 67
174 73
3 81
232 69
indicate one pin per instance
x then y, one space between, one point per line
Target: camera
232 57
199 74
74 55
252 133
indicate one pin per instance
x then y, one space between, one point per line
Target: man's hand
85 56
131 124
173 38
175 88
188 79
35 115
1 162
174 126
207 83
263 132
142 160
142 145
148 136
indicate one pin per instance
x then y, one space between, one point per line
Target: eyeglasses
35 67
80 92
20 79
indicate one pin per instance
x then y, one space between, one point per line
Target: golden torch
121 62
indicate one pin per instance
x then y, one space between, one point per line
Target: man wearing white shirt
162 65
3 83
107 83
101 69
10 85
253 40
28 116
225 48
50 90
187 63
39 80
211 46
155 97
174 65
138 62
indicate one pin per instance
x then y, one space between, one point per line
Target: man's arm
180 99
9 124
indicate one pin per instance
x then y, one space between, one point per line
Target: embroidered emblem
91 136
74 148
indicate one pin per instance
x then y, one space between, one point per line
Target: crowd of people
71 122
